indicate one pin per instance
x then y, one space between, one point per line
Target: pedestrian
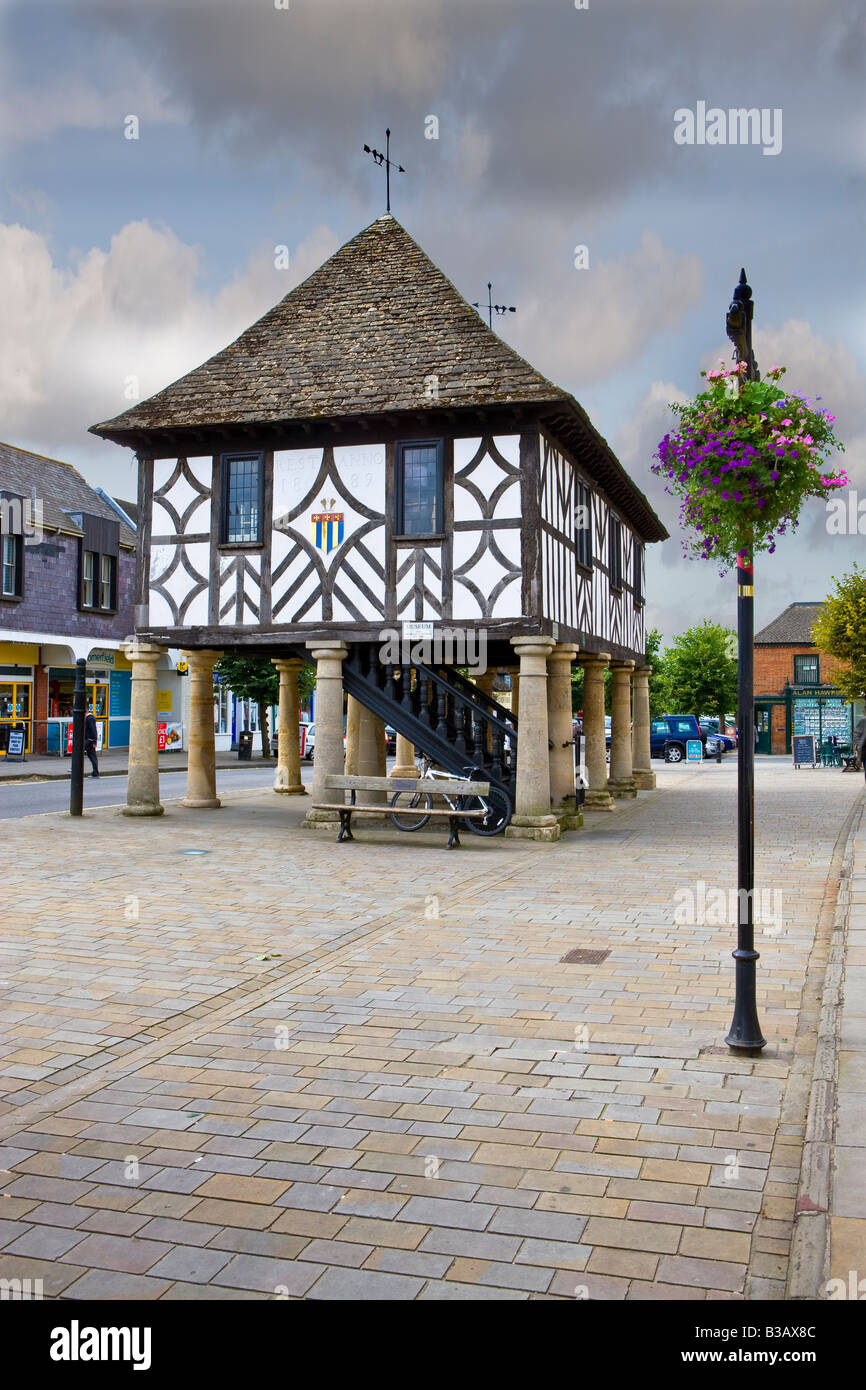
90 738
860 742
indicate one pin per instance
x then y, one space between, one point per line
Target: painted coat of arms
327 527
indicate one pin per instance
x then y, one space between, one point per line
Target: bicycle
496 805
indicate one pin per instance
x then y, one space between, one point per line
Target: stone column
559 722
328 759
644 777
353 735
371 753
515 694
288 776
404 762
532 819
597 798
201 758
142 788
621 781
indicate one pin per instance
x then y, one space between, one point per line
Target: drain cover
581 956
194 851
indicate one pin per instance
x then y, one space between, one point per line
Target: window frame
399 453
614 552
226 460
637 572
86 555
17 544
583 535
799 659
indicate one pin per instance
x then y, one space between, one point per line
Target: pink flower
787 422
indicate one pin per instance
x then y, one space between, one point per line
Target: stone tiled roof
372 332
60 488
791 628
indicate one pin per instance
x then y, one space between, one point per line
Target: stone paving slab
413 1097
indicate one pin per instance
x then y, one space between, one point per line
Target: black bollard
79 712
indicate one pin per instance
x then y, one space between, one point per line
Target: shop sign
98 658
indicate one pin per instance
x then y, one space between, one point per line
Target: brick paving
291 1069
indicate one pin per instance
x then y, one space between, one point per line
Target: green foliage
841 632
658 694
256 678
745 457
700 671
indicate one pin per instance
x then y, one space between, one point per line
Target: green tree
255 678
841 632
658 695
700 670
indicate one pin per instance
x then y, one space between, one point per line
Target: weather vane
491 307
385 161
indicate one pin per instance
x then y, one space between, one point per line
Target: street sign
803 749
694 750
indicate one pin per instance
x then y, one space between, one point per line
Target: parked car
711 726
390 739
670 734
308 740
714 744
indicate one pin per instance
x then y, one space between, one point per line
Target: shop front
18 662
803 709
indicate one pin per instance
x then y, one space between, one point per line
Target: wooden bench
435 786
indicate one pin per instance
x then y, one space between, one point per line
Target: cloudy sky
127 262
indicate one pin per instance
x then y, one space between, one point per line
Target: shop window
583 524
243 489
806 670
12 567
419 488
615 551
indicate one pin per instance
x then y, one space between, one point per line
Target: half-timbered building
370 455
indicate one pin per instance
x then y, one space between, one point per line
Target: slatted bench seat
436 786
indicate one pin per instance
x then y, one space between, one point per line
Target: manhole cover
194 851
581 956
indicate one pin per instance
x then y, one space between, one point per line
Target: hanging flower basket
744 459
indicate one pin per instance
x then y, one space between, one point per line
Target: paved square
287 1068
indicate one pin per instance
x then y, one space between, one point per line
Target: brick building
794 684
67 575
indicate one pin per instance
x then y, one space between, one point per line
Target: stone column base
157 810
410 771
320 820
624 788
544 828
569 817
598 799
645 781
282 784
202 803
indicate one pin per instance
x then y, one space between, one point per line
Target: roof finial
491 307
385 161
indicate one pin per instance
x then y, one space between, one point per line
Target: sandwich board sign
694 750
803 749
15 746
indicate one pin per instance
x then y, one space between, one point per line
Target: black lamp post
745 1033
79 714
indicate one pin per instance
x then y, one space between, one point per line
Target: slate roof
792 628
360 337
59 486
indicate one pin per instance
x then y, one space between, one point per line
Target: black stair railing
444 715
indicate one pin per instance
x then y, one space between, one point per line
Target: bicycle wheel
415 801
498 812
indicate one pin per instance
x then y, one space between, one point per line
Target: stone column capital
642 673
592 660
289 663
533 646
621 665
563 651
203 658
321 651
142 651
